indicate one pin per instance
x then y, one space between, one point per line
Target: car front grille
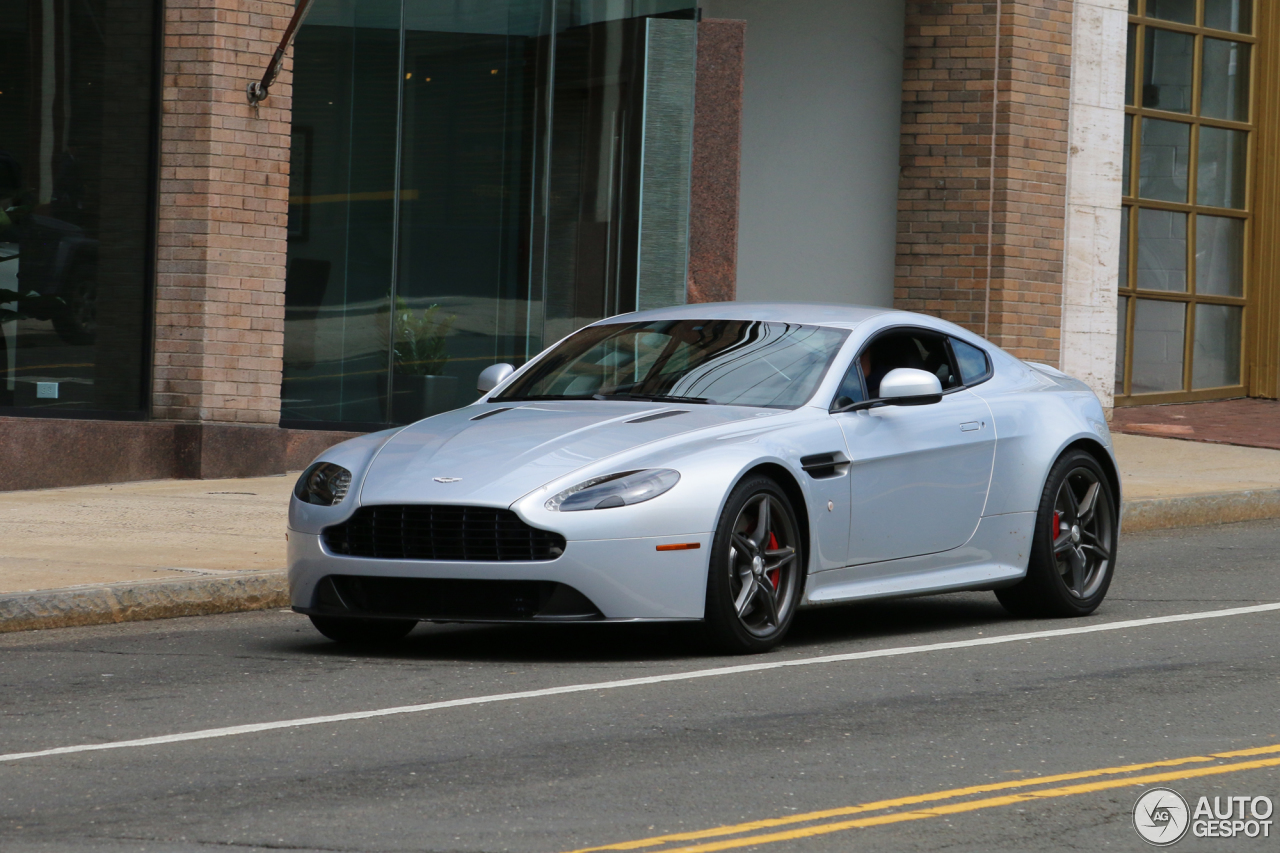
452 533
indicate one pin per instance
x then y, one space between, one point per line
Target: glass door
1188 140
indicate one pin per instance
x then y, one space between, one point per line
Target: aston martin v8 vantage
728 464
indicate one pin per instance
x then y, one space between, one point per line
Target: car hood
503 457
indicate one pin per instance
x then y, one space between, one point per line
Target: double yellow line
820 823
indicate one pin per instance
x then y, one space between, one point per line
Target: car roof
808 313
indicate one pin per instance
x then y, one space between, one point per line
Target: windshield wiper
657 398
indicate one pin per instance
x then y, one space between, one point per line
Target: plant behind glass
421 339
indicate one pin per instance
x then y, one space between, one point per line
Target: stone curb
136 602
1199 510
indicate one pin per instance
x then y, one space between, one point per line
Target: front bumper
625 579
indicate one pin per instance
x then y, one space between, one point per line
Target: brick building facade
283 233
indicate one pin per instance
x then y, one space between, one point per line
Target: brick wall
224 186
953 206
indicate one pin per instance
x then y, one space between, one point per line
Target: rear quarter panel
1038 413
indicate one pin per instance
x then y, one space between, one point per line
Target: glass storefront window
1184 285
1162 250
1232 15
1158 339
1166 78
1217 350
1219 256
76 191
1165 160
474 188
1224 86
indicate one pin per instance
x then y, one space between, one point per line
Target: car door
919 474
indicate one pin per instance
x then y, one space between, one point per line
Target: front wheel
363 632
1073 549
756 577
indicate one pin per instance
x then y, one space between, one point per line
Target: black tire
1073 549
756 579
363 632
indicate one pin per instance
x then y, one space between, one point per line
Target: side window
851 387
912 348
973 362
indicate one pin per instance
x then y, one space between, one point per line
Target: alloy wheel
763 569
1082 532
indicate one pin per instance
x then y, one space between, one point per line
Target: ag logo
1161 817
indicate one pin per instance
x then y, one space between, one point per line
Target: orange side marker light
683 546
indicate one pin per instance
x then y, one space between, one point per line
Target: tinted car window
850 387
911 348
729 362
973 362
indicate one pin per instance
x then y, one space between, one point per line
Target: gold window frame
1132 202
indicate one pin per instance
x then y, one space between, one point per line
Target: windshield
726 362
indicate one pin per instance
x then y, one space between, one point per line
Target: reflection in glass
720 362
1123 273
1219 256
1216 360
1181 11
469 99
1167 68
1159 333
1233 15
1224 87
1130 55
527 137
75 203
1128 157
1163 162
1122 336
1220 176
1162 250
346 63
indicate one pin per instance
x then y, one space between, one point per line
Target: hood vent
644 419
492 412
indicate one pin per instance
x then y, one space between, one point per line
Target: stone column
1094 173
221 241
982 190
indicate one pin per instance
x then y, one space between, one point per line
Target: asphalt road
616 763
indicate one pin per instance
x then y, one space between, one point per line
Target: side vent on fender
824 466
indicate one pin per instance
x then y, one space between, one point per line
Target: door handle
971 426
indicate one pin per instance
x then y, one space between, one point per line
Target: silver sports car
725 463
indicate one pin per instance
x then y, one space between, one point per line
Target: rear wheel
757 569
1074 546
363 632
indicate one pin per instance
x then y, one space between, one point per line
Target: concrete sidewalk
122 552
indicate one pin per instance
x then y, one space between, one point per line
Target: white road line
252 728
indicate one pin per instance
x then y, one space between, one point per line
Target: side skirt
995 556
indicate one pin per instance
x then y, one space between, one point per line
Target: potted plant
419 386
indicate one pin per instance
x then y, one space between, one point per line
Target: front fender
709 470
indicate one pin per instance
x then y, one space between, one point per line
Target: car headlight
622 489
323 484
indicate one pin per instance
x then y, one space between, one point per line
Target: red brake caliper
1057 526
776 574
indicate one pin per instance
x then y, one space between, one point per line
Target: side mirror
906 386
494 375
